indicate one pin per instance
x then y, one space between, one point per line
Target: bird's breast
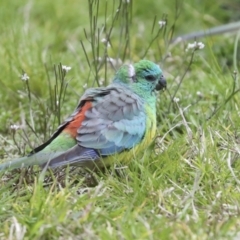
151 126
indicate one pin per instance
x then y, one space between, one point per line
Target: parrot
109 123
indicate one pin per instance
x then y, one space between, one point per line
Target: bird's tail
39 158
78 155
16 163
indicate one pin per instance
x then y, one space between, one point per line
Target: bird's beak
161 83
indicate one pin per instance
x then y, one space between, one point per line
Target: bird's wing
114 122
109 119
85 100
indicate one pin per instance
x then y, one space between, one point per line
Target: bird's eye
150 78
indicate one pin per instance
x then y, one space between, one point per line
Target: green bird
109 123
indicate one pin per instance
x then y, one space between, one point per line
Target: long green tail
36 159
15 163
57 147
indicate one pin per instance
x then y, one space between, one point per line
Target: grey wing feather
120 122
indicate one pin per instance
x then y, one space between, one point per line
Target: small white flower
191 46
162 23
176 100
200 45
195 46
14 127
85 86
199 94
114 62
101 81
25 77
66 68
106 42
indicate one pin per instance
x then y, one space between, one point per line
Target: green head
143 77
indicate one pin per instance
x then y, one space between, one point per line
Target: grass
187 187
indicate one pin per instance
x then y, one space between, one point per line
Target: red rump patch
73 126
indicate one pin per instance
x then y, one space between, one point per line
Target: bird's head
144 76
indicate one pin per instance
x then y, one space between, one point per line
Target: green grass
188 186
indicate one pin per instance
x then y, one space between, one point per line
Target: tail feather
81 156
12 164
35 159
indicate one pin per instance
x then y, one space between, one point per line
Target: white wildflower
106 42
114 62
111 60
85 86
190 46
25 77
101 81
199 94
14 127
176 100
195 46
66 68
200 45
162 23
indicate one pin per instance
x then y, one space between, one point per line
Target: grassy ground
188 187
